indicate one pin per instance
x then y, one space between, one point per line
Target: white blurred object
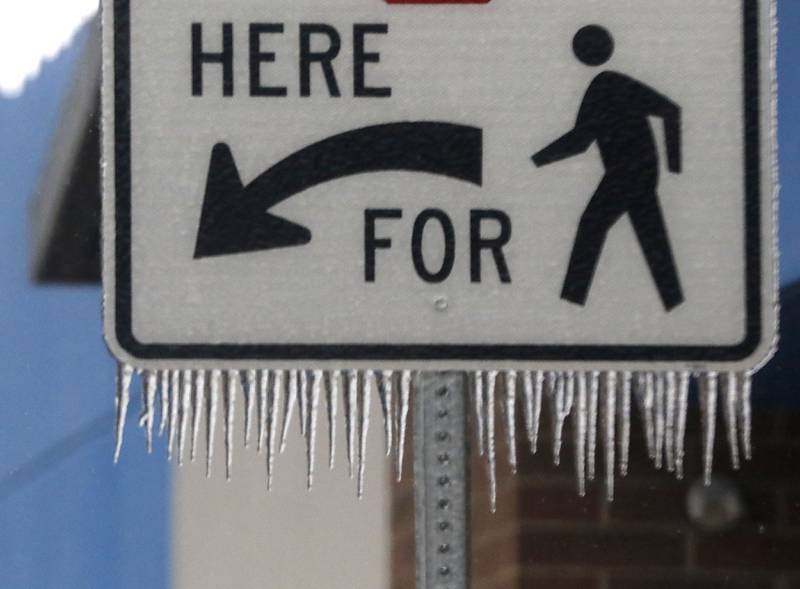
27 38
716 506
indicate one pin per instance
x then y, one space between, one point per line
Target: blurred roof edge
65 210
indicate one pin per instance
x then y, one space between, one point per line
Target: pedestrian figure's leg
648 222
599 216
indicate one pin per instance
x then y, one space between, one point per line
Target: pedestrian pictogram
614 114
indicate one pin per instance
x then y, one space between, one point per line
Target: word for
437 220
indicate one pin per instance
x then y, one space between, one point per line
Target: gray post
441 480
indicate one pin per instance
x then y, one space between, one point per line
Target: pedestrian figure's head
593 45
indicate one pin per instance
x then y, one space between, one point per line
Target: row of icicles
600 404
271 396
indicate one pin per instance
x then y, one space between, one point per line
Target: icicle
562 406
555 389
746 415
289 400
263 400
198 402
491 443
660 419
609 419
186 407
230 414
591 443
150 389
386 391
304 396
351 424
671 417
708 400
366 396
211 421
124 377
480 411
250 402
511 418
731 409
311 427
164 377
680 427
625 423
142 421
538 392
527 406
143 414
534 385
174 407
332 392
405 401
581 423
278 385
645 395
380 387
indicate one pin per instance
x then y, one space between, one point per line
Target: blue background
789 143
68 517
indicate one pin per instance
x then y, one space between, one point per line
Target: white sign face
425 184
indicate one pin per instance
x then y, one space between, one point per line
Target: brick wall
545 536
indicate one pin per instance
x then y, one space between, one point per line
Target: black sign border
442 352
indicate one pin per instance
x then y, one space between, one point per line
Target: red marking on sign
438 1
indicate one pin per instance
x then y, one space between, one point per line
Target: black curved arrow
235 217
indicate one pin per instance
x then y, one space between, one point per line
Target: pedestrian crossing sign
436 185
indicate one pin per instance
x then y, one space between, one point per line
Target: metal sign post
441 480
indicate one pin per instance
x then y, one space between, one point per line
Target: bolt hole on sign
305 204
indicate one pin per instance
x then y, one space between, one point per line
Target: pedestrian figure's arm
672 132
659 105
572 143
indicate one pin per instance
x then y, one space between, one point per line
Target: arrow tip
233 221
